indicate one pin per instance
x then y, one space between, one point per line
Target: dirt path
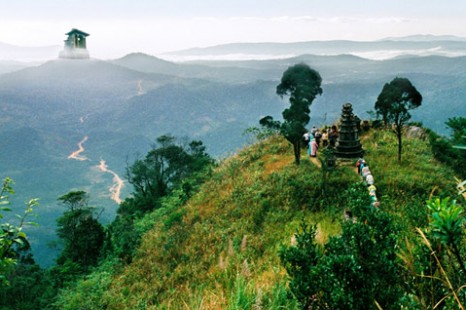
118 183
76 154
315 161
140 89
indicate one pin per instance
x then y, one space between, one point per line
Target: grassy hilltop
221 249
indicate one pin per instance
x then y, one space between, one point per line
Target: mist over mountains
420 45
123 105
28 53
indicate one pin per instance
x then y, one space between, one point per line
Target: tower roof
77 31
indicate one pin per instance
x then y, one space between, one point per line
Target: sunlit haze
119 27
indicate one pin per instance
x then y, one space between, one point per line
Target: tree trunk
297 152
457 254
399 132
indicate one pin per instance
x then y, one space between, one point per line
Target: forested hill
233 245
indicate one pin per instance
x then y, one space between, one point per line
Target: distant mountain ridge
28 53
425 37
416 45
426 44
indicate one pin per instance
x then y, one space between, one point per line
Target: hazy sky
118 27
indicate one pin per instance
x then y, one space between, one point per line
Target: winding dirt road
76 154
140 89
118 183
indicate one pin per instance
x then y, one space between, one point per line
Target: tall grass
220 250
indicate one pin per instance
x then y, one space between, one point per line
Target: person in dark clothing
306 138
318 137
359 164
333 135
313 131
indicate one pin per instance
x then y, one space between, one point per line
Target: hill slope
223 245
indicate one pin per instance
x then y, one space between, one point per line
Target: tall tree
168 166
302 84
394 102
81 232
164 167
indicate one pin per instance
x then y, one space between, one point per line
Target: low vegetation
257 231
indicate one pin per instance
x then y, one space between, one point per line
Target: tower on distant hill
348 144
75 45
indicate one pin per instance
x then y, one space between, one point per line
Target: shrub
354 270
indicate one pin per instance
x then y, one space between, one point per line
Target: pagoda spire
348 143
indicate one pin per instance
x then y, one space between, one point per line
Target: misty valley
112 111
188 184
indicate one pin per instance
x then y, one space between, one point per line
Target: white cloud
111 38
315 19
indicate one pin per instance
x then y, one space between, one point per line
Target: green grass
404 188
220 250
224 252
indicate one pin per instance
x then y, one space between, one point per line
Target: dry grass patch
274 163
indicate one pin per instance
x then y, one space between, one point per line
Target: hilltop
221 249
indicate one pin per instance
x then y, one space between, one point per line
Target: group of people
368 179
314 137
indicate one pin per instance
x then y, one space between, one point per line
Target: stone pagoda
75 45
348 144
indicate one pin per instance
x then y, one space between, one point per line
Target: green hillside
221 249
122 106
